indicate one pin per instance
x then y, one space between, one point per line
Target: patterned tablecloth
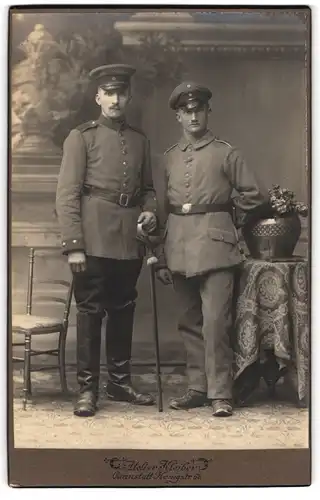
272 312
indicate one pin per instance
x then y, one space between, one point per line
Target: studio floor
49 422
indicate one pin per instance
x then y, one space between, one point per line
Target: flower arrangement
283 202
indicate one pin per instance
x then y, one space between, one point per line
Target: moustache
114 108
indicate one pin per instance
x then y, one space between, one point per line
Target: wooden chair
31 325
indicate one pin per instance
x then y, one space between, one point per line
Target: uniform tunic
201 251
110 156
204 173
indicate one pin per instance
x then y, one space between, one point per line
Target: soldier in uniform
201 248
104 190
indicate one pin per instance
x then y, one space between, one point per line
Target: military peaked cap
112 76
190 95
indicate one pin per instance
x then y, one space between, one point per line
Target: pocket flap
222 235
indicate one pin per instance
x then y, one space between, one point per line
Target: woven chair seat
34 323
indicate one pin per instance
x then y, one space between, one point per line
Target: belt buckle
186 207
126 202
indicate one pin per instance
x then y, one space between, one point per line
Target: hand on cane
148 221
163 275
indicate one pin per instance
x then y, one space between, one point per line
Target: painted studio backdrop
254 63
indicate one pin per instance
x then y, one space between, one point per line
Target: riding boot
88 363
118 346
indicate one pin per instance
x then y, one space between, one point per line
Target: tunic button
124 151
189 148
74 241
187 175
187 184
124 163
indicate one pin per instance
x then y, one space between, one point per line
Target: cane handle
152 260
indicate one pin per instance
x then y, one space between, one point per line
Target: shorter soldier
201 249
104 189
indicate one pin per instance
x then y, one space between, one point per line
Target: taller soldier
104 189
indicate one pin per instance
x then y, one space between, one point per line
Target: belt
189 208
122 199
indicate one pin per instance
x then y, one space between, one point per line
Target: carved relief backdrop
254 63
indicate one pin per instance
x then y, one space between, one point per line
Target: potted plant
276 235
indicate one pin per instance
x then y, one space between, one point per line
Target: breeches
107 284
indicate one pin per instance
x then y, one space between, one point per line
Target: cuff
262 211
72 245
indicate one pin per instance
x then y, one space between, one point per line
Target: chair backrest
35 296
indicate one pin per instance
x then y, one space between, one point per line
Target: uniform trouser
106 286
205 325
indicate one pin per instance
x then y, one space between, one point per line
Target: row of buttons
188 174
124 151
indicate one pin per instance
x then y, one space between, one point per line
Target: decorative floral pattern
272 312
50 423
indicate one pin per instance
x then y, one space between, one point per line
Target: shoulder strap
223 142
169 149
87 125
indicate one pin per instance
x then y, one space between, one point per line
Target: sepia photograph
159 275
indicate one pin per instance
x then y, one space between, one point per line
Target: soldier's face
193 121
113 102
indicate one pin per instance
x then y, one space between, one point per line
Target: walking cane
151 261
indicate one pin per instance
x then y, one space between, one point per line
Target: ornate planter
274 237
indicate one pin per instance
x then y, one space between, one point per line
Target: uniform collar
113 124
203 141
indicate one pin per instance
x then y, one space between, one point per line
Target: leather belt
189 208
123 199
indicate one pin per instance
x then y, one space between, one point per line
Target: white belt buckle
186 207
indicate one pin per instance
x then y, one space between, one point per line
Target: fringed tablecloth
272 314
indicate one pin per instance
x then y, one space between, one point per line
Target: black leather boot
118 347
88 361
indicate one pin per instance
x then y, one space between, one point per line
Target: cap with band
189 95
112 76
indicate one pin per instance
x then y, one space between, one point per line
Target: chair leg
26 378
30 371
62 361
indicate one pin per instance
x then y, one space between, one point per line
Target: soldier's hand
148 221
164 276
77 261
